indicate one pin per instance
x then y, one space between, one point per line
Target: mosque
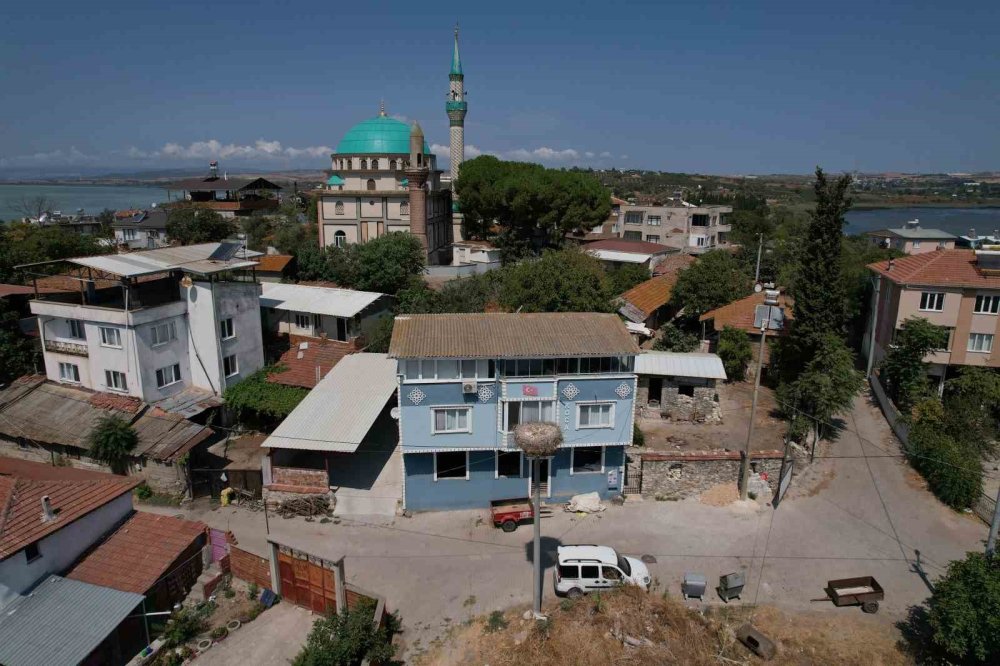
385 179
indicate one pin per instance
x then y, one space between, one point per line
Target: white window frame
928 298
227 328
451 478
171 333
76 329
588 403
572 459
507 404
654 220
482 371
175 371
105 336
700 241
992 301
236 365
110 385
307 317
520 465
75 378
916 244
983 349
442 408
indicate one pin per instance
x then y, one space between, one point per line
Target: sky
709 87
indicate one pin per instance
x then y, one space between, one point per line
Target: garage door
307 580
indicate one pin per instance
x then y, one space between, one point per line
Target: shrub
253 590
673 339
952 470
348 639
735 351
143 491
184 625
218 632
964 610
638 437
496 622
112 441
256 394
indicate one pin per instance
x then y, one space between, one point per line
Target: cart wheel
508 526
869 607
575 593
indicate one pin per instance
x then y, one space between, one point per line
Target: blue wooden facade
457 417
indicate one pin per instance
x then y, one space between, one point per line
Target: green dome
378 135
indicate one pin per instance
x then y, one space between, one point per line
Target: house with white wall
152 324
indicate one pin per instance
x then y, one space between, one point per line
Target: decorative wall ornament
623 390
570 391
485 393
416 396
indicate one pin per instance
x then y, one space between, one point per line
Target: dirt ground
592 632
734 400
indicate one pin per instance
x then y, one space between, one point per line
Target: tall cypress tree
820 295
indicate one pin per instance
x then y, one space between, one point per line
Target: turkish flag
528 389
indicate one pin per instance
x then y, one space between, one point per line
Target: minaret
457 108
417 172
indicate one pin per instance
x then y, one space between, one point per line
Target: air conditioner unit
469 387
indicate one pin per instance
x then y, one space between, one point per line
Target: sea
95 198
71 198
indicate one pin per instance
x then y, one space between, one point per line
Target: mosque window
404 208
340 239
364 164
392 165
338 208
371 184
374 163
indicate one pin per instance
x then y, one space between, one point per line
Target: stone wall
687 474
299 480
701 407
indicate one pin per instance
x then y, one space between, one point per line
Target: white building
335 314
143 230
681 225
151 324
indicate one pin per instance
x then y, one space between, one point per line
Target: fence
984 507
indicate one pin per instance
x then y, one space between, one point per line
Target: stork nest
538 439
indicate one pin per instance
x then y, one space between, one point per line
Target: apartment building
911 238
958 289
682 225
151 324
467 380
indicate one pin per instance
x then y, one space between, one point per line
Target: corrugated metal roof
316 300
189 258
510 335
340 410
61 622
672 364
624 257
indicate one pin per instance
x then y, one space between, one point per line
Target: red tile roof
941 268
139 553
740 314
674 264
301 363
649 296
622 245
71 496
274 263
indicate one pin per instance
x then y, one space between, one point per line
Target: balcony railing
60 347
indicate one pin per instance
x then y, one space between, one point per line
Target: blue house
465 382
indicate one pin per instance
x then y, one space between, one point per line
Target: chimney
48 515
213 169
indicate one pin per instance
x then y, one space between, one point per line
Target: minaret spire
456 107
456 60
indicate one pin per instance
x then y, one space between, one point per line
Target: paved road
273 638
860 512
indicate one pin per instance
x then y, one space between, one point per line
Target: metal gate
784 480
307 580
219 543
633 480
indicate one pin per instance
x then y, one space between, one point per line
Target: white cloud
605 154
260 149
73 156
588 154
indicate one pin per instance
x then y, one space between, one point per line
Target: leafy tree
972 407
348 638
715 279
525 208
951 467
30 243
625 277
379 336
311 262
827 385
673 339
903 368
112 441
389 263
559 281
259 230
964 610
735 351
17 353
820 294
190 224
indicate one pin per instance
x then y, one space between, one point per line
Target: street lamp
538 441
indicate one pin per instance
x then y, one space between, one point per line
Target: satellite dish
394 413
758 288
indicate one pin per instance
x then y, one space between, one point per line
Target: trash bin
694 585
731 586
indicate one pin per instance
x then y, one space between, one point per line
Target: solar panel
774 315
225 251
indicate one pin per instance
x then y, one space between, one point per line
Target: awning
672 364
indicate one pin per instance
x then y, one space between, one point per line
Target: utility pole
760 248
991 542
871 341
536 606
745 463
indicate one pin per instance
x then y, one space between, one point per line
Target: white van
585 568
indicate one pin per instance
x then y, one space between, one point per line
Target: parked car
585 568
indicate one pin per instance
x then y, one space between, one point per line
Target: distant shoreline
929 204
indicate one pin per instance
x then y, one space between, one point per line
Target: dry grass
590 632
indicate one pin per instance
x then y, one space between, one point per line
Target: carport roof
672 364
340 410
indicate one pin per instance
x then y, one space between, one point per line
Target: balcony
71 348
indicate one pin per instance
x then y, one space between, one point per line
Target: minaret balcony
456 106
